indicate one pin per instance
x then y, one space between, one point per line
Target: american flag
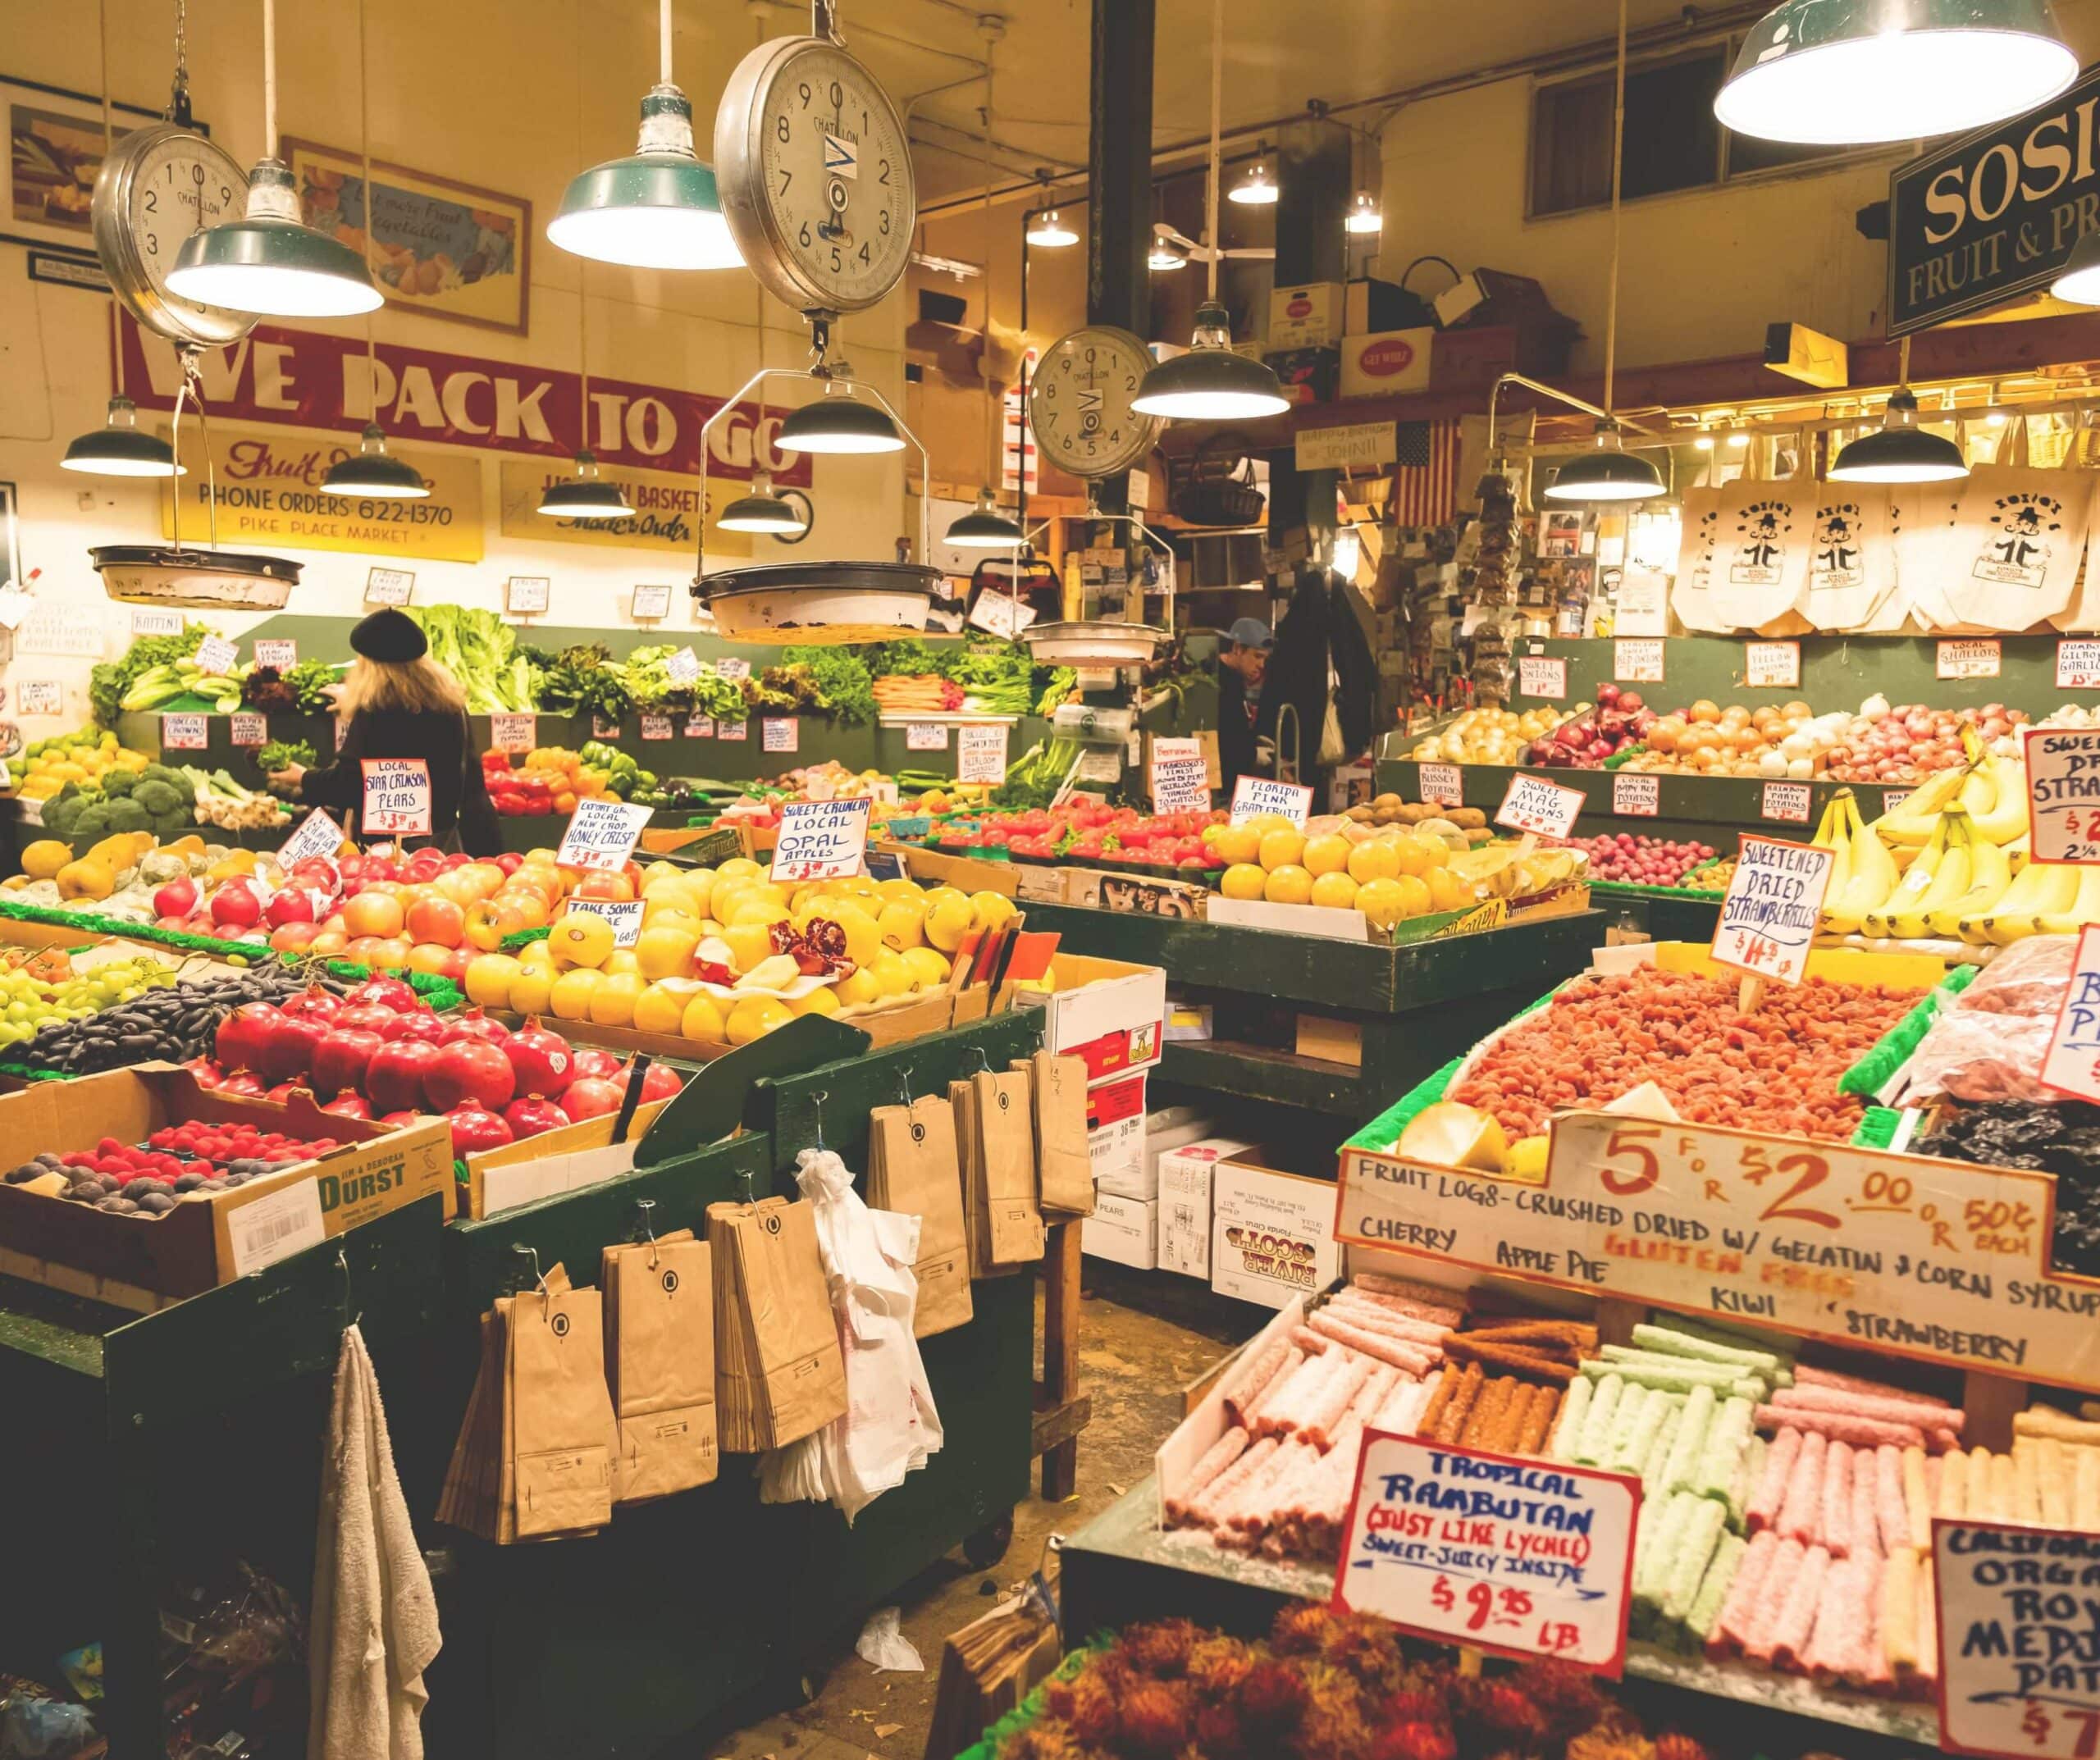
1426 473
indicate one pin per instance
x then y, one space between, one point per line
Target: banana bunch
169 679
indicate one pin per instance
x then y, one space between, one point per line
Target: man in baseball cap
1241 658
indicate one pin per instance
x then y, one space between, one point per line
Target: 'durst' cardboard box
1386 362
1185 1179
208 1238
1272 1234
1306 317
1121 1228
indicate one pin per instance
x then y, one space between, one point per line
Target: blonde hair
417 687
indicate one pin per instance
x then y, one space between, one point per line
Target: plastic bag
884 1647
1990 1042
2028 978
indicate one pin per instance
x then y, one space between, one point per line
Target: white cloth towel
375 1618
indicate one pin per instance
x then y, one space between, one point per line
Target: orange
1242 880
1288 884
1281 849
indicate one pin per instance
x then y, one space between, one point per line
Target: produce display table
1409 1005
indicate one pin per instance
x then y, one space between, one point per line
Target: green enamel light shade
372 471
117 449
1607 473
269 262
658 208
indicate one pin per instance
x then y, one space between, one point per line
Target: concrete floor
1145 1336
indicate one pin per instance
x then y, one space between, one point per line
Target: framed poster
442 248
54 150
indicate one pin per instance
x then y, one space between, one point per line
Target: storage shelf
1263 1072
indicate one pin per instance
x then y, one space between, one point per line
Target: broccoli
92 824
157 795
160 773
126 813
117 783
62 812
168 826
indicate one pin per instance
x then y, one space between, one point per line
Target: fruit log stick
1796 1621
1486 1415
1203 1509
1598 1418
1721 1456
1253 1374
1656 1548
1801 1512
1700 1534
1917 1504
2005 1491
1927 1418
1874 1672
2046 1420
1673 1377
1640 1443
1507 1359
1538 1420
1402 1412
1772 1484
1928 1621
1221 1454
1866 1506
1285 1411
1567 1422
1667 1341
1836 1532
1336 1398
1440 1401
1251 1410
1781 1575
1835 1426
1805 1375
1377 1387
1414 1358
1249 1505
1428 1297
1900 1635
1722 1569
1891 1512
1739 1610
1656 1469
2085 1490
1952 1500
1369 1317
1452 1423
1567 1335
1626 1423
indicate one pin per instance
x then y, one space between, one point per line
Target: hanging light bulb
984 527
1165 257
838 423
1364 214
761 510
658 207
371 471
1861 72
1255 188
1608 472
585 495
1705 443
2078 282
1048 229
1900 451
117 449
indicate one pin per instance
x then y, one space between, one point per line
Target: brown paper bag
1064 1167
781 1376
659 1364
912 1168
1006 1166
561 1416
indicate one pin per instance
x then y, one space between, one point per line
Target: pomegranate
312 1003
474 1024
590 1096
532 1116
540 1061
243 1082
341 1059
347 1105
474 1128
659 1081
289 1049
244 1034
362 1017
205 1073
588 1060
470 1070
397 1120
421 1024
384 992
394 1078
283 1092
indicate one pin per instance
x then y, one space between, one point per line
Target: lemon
932 968
570 997
1281 849
754 1017
1334 890
1288 884
1374 859
858 989
1327 855
816 1002
703 1019
1243 880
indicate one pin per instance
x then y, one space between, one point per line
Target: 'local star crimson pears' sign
396 798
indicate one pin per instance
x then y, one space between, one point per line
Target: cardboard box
1124 1229
1272 1234
1105 1011
576 1155
1167 1130
1335 1041
208 1238
1386 362
1372 305
1474 359
1115 1137
1306 317
1040 884
1308 376
1185 1179
1189 1022
1106 889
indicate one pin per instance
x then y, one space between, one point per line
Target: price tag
1442 784
624 914
998 615
389 587
2071 1064
1410 1557
1540 676
980 755
700 727
1532 804
396 797
317 834
2063 793
1180 778
526 595
1636 796
1254 796
2078 666
2017 1674
736 671
155 623
185 733
602 834
40 697
1772 665
732 730
1894 798
215 653
1788 803
513 733
603 729
1773 902
926 736
821 840
1636 661
1971 658
250 731
279 655
656 727
683 667
778 733
649 604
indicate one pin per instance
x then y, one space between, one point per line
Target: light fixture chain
269 79
179 95
108 138
1217 123
1617 177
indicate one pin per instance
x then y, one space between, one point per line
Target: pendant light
1608 472
1210 383
1256 188
658 207
1164 258
117 449
270 260
1900 451
1048 230
2078 282
1862 72
371 471
985 527
838 423
761 510
1363 215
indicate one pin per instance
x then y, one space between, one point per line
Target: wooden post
1061 1354
1990 1402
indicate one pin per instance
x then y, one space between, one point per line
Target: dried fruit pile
1775 1071
145 1180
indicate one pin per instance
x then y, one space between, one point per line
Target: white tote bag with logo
2017 544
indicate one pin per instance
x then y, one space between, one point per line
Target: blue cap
1250 632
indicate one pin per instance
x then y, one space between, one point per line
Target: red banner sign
305 379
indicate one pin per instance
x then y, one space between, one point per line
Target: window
1672 138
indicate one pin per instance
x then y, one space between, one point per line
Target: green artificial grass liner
1894 1049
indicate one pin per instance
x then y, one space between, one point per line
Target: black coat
459 791
1236 732
1317 631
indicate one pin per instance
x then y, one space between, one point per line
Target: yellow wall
481 91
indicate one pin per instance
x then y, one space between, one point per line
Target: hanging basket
821 602
1209 489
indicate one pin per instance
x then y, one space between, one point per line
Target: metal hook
747 1179
983 1063
539 1277
644 1205
817 1098
343 1265
904 1086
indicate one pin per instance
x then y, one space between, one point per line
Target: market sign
1774 903
309 379
269 492
1945 1262
2016 1612
1994 214
666 513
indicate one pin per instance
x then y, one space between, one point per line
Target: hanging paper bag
784 1377
659 1363
561 1415
913 1171
1006 1135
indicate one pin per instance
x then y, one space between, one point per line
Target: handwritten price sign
279 655
778 733
396 797
981 755
1442 784
821 840
1636 796
1636 661
1180 778
215 653
186 733
1772 665
2063 793
1254 797
1460 1546
513 733
1967 660
249 731
2071 1064
1788 803
1532 804
602 833
1539 676
2078 666
2017 1674
318 835
1773 902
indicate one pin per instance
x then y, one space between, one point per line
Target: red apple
433 919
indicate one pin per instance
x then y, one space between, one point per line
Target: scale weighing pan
814 601
1093 645
196 580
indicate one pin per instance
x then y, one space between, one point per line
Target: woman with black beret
396 702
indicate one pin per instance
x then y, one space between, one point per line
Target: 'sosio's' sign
1994 214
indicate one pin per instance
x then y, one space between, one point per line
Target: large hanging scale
1079 403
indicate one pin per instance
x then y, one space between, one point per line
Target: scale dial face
815 175
159 185
1079 403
